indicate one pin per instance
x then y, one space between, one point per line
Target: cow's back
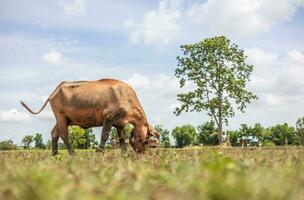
86 103
99 94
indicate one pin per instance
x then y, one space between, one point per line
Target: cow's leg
64 134
131 142
121 135
107 125
106 129
55 137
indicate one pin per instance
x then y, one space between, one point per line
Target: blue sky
45 42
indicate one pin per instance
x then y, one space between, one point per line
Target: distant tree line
80 139
256 135
181 136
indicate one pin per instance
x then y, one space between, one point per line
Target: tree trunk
220 130
220 119
286 141
219 99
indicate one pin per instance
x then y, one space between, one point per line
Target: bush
269 143
7 145
184 135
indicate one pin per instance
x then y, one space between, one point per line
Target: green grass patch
192 173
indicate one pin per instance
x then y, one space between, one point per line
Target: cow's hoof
100 150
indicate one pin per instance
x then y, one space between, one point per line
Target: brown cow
106 103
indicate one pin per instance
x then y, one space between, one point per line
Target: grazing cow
106 103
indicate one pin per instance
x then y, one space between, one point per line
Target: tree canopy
300 130
27 140
164 136
7 145
219 72
184 135
39 141
207 134
81 138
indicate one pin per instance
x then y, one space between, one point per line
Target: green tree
89 138
113 139
207 134
81 138
282 134
247 135
300 130
164 136
7 145
27 140
267 139
257 131
184 135
234 137
219 72
244 133
127 131
77 137
39 141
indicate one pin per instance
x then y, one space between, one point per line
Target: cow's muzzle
153 142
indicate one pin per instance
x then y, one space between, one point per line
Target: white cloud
157 26
233 18
158 95
139 81
14 115
53 57
73 7
158 85
278 80
242 17
171 107
264 64
157 92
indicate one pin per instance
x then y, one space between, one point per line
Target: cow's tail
30 110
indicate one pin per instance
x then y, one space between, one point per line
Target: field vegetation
188 173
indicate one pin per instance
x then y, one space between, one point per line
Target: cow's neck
140 130
139 121
139 124
140 118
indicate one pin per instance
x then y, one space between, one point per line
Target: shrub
269 143
7 145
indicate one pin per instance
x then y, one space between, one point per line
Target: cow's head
139 138
153 137
144 137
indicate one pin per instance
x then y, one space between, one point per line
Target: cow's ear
153 132
156 133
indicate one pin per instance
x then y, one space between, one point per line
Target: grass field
202 173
